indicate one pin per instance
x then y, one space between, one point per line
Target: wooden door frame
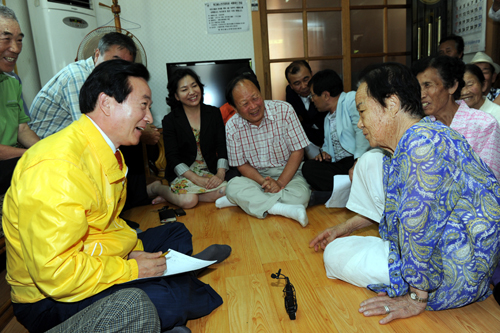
261 39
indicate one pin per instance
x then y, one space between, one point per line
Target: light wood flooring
253 301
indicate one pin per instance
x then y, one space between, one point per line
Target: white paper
180 263
227 16
341 192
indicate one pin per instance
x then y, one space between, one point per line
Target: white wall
170 31
175 31
27 67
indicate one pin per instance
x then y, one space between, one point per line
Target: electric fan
89 44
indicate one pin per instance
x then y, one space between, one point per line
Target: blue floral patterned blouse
442 218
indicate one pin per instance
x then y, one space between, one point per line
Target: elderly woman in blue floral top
440 234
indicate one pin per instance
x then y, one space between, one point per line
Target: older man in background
490 71
266 143
452 46
298 94
56 106
13 120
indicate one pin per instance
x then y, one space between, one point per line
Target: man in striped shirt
265 141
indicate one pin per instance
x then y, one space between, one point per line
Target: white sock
296 212
224 202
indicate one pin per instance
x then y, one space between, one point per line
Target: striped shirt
57 104
271 143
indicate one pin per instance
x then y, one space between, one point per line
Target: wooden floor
253 301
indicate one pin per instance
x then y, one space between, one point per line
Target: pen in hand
164 254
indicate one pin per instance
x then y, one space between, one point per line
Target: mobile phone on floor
179 212
167 215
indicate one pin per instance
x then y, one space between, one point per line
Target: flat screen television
215 75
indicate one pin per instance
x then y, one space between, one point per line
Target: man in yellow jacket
67 247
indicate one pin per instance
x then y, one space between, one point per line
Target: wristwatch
415 297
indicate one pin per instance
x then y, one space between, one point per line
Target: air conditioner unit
58 27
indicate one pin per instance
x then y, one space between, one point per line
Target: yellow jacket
60 217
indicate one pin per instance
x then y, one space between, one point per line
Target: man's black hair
459 43
112 78
294 67
327 80
232 84
173 85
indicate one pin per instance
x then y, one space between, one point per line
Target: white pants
367 196
358 260
355 259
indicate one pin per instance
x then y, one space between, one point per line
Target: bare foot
151 188
158 199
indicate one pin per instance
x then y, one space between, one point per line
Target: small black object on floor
288 294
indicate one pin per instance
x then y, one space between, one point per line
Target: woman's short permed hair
451 70
391 78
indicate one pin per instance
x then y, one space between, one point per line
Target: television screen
215 75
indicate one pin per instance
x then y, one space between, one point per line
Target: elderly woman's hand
398 307
344 229
327 236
